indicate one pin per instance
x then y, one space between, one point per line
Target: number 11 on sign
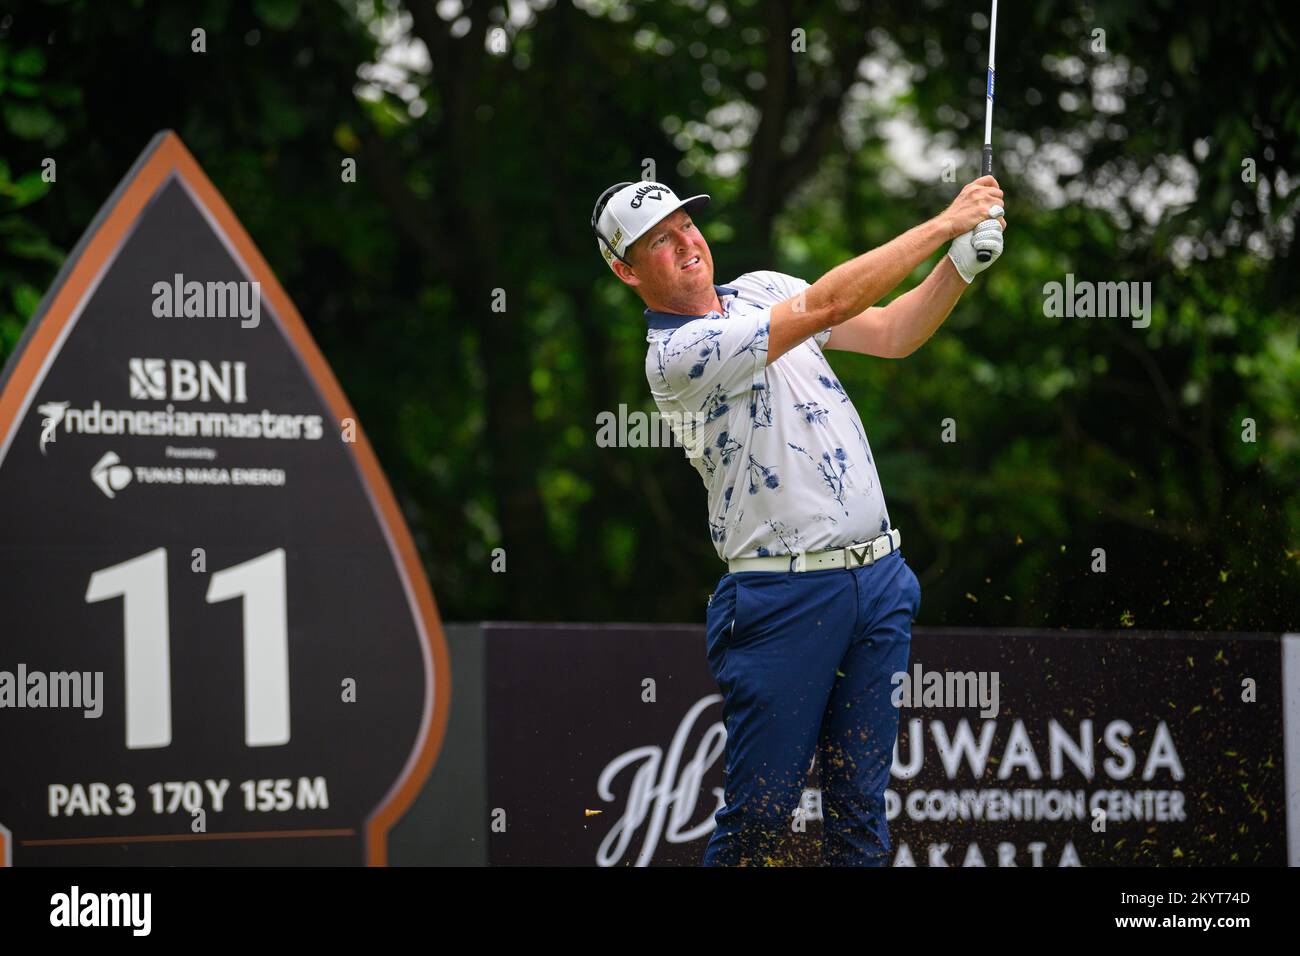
142 584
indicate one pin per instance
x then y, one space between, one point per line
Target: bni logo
148 378
180 380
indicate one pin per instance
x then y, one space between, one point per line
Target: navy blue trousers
804 662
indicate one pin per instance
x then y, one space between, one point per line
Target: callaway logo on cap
627 211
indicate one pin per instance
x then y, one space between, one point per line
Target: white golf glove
987 235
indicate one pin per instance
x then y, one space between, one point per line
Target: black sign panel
1097 749
587 762
218 644
1146 733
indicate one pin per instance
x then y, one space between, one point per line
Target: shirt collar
670 320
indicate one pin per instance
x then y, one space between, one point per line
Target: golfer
814 613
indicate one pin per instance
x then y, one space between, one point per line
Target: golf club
986 167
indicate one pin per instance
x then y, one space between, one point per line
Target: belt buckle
799 561
859 555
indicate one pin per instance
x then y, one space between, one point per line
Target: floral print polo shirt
781 448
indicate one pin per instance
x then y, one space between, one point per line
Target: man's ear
626 273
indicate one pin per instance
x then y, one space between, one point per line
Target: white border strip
1291 742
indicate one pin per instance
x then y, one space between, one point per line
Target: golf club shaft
986 165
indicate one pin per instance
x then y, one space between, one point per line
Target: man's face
669 262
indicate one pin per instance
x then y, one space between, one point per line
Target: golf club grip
986 167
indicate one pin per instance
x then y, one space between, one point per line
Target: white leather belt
854 556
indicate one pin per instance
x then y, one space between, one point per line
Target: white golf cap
631 211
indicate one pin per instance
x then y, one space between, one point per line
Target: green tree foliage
482 136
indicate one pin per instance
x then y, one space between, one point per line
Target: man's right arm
854 286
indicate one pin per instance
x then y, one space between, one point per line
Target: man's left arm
900 328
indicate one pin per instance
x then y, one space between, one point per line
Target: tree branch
417 218
823 130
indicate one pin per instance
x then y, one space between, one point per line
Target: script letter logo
662 788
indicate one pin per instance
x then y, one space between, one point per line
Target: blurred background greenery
483 134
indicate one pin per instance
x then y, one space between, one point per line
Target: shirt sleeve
768 288
772 287
707 363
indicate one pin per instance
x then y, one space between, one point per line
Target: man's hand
976 216
972 205
965 248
